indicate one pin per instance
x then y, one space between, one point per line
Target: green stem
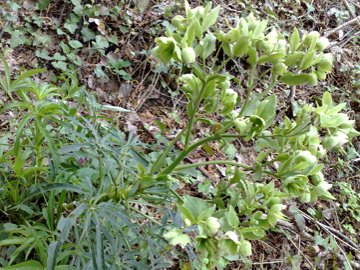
186 152
164 155
189 127
214 162
223 64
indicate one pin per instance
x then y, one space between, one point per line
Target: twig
334 232
289 226
346 3
332 31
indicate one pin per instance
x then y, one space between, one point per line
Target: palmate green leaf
210 18
259 30
241 47
207 46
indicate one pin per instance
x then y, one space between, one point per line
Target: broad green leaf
87 34
295 79
210 18
307 61
266 110
252 59
59 57
241 47
44 54
208 45
294 59
259 30
232 218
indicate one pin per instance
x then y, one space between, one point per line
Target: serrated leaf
294 40
307 60
241 47
259 30
210 18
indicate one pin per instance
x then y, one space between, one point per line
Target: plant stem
187 151
163 156
189 128
213 162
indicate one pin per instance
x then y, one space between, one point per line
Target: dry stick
332 31
293 228
334 232
346 3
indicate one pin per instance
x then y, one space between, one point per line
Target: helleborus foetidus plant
246 203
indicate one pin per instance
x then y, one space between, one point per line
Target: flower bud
325 64
305 156
242 125
313 81
336 140
279 69
245 248
311 38
317 178
188 55
211 226
322 43
179 22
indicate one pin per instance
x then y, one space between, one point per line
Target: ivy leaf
44 54
101 42
75 44
43 4
60 65
59 57
17 38
71 26
87 34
